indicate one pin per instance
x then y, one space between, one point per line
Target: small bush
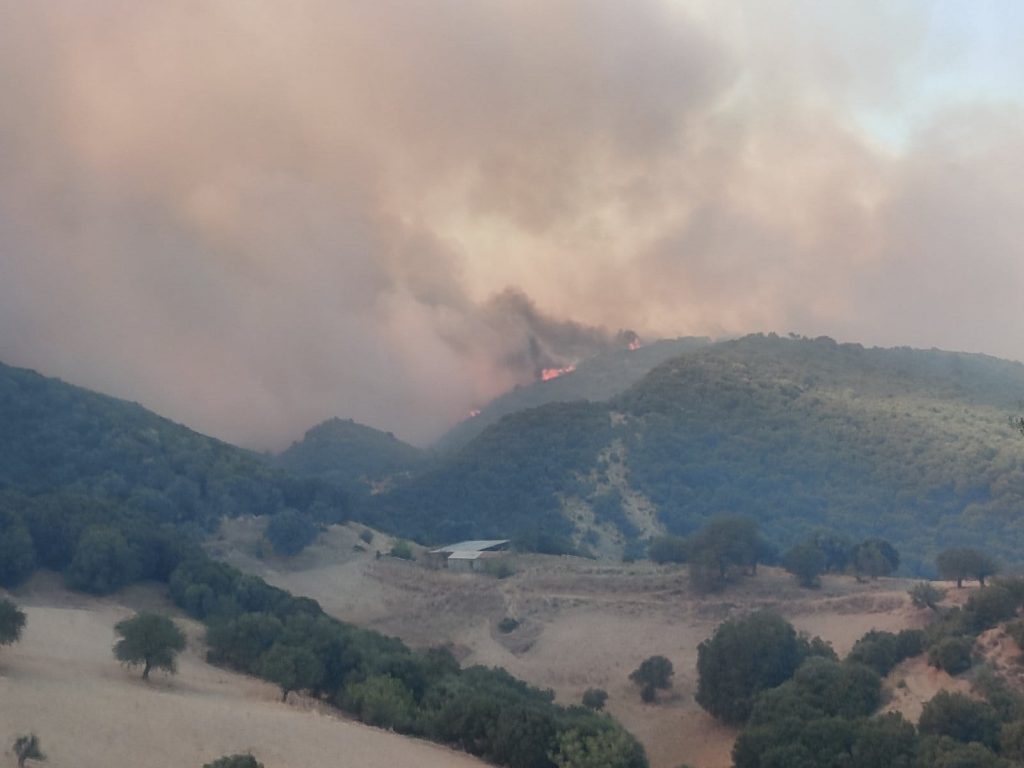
667 549
508 624
952 654
924 594
366 535
235 761
499 569
594 698
653 673
402 550
1015 629
991 605
289 532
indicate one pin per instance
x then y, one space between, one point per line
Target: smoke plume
253 216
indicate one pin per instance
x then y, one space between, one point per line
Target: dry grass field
582 623
62 682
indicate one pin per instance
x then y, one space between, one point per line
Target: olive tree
12 622
27 748
149 639
653 673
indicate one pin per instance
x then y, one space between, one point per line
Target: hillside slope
800 434
61 438
350 454
597 378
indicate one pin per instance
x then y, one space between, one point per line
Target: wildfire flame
635 344
474 413
548 374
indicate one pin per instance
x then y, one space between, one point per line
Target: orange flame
474 413
553 373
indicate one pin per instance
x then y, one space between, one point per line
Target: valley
582 624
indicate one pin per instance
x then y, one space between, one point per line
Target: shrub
17 552
289 532
807 562
881 651
402 550
667 549
499 568
383 701
28 748
744 657
507 624
952 654
1015 629
924 594
12 622
961 718
991 605
366 535
655 671
594 698
235 761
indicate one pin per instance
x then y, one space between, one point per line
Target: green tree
951 654
149 639
744 657
594 698
12 622
103 561
402 550
924 594
381 700
667 549
17 552
874 558
723 546
576 748
291 667
235 761
654 673
1011 741
959 563
961 718
988 607
28 748
805 561
289 532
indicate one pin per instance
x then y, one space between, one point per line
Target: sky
254 216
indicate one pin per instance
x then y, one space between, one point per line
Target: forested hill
601 377
350 454
58 438
800 434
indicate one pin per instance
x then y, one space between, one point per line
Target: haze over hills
800 434
596 378
59 438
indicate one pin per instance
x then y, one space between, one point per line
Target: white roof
475 554
471 546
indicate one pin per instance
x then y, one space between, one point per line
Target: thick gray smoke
253 216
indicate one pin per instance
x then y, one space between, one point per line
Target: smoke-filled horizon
254 216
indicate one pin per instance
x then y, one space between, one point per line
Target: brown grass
583 623
62 682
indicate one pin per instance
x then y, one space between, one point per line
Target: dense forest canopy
799 434
349 454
